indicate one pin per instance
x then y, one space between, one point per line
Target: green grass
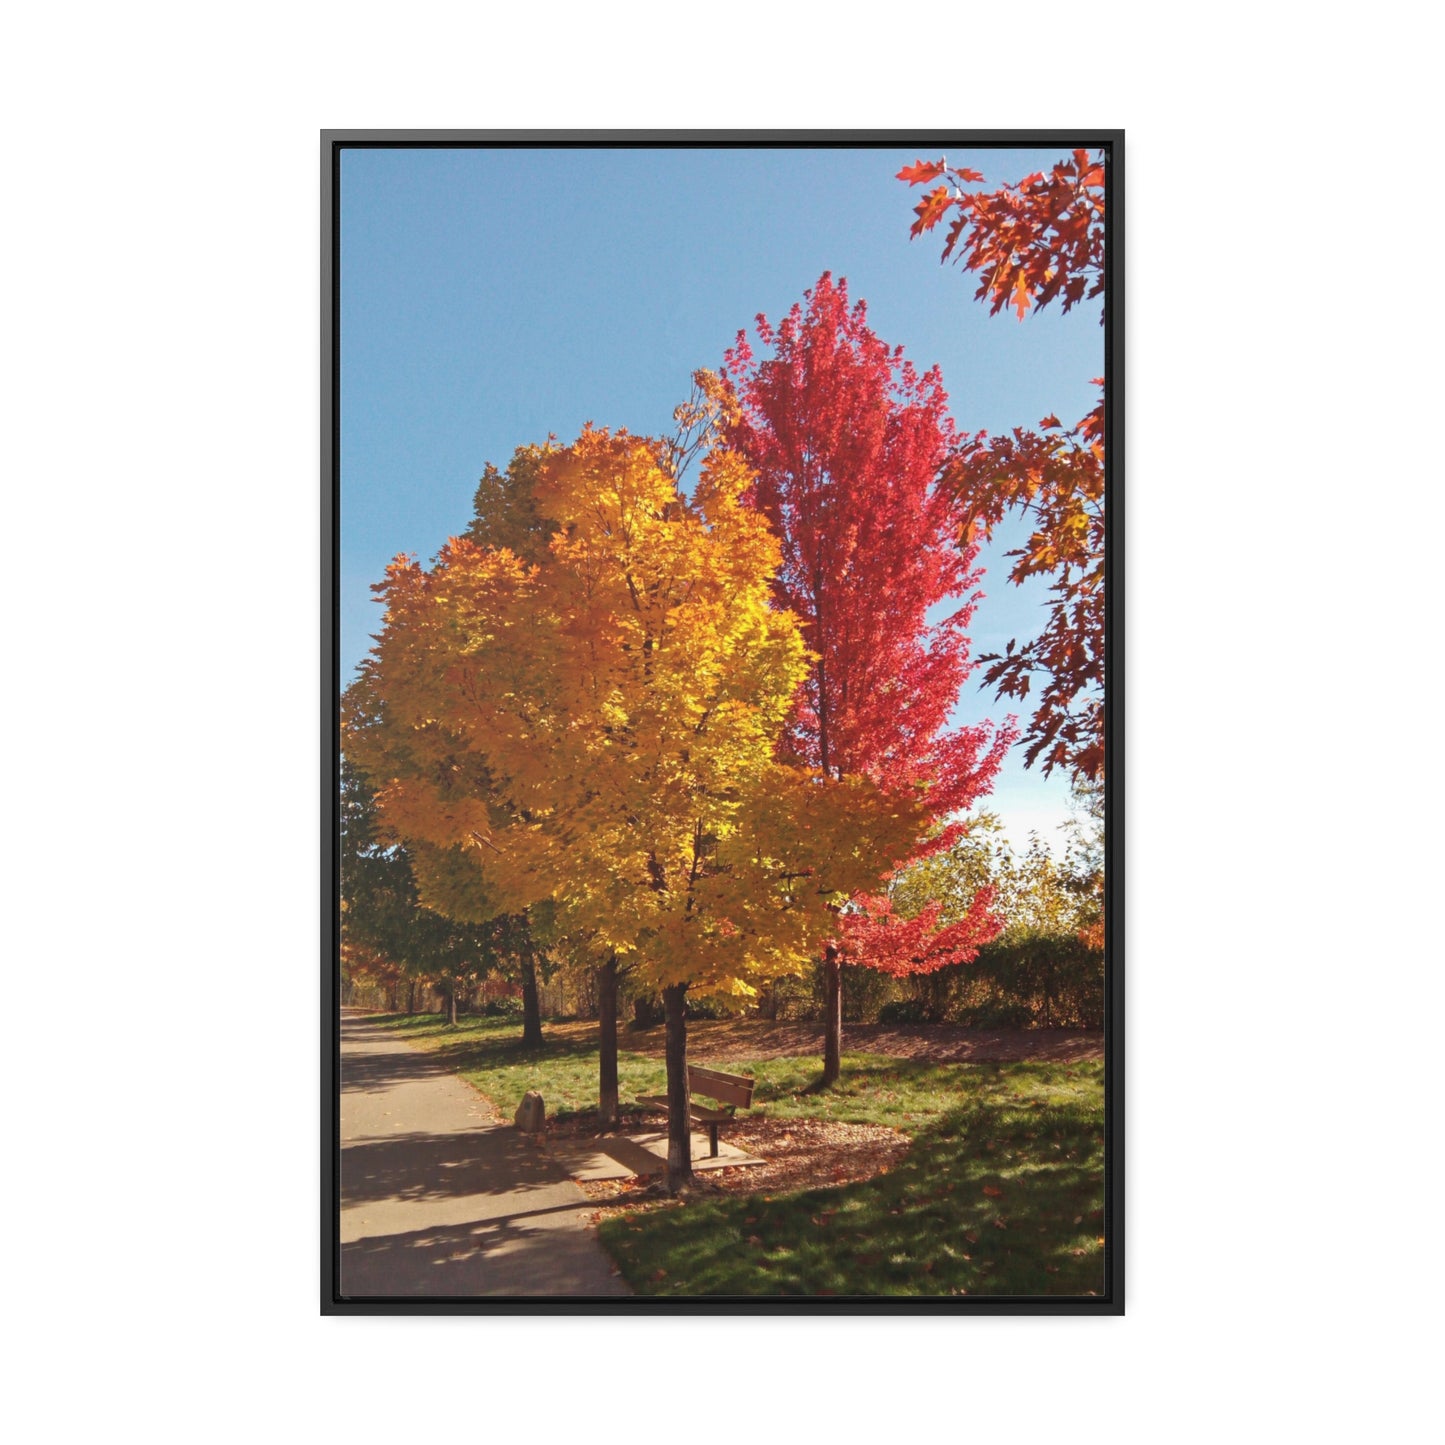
1001 1192
1031 1133
489 1054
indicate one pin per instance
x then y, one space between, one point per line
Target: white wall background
160 741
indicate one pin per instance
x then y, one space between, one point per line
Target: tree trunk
531 1010
451 986
607 1053
937 996
768 1002
679 1122
411 997
832 1016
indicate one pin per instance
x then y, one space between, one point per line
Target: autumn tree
362 970
847 439
505 514
592 724
1032 243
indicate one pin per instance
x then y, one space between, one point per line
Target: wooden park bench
731 1091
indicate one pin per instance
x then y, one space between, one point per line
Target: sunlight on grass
489 1054
1001 1192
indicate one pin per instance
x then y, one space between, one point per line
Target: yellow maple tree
582 704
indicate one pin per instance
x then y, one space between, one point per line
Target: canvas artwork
723 862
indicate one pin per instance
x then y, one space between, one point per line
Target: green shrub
1045 981
865 991
997 1012
904 1011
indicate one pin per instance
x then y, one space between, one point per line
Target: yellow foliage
596 725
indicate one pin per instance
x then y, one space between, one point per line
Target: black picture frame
927 142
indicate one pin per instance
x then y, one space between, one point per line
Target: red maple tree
847 440
872 934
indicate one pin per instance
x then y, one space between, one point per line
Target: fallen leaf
993 1191
971 1236
661 1274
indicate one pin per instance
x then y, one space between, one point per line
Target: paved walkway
437 1199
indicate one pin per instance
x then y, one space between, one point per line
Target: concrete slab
638 1154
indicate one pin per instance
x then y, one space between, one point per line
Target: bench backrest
725 1088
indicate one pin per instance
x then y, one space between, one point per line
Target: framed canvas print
721 722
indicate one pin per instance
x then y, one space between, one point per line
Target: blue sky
491 297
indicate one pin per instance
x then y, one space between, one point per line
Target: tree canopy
600 728
847 439
1040 239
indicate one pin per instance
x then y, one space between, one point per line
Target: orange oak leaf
920 172
930 210
1021 296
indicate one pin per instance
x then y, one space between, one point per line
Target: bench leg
712 1135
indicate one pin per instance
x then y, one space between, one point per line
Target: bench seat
731 1091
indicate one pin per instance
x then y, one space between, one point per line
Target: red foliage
902 946
847 440
1055 476
1029 242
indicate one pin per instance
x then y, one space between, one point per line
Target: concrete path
439 1199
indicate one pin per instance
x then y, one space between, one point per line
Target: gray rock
531 1113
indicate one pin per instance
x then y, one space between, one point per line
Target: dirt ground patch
799 1153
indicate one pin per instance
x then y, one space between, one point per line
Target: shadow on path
437 1199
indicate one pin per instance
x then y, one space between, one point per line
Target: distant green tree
384 923
1048 907
1084 860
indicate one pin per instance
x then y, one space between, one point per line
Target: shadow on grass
1002 1194
481 1042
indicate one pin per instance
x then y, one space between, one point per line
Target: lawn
489 1054
1001 1192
